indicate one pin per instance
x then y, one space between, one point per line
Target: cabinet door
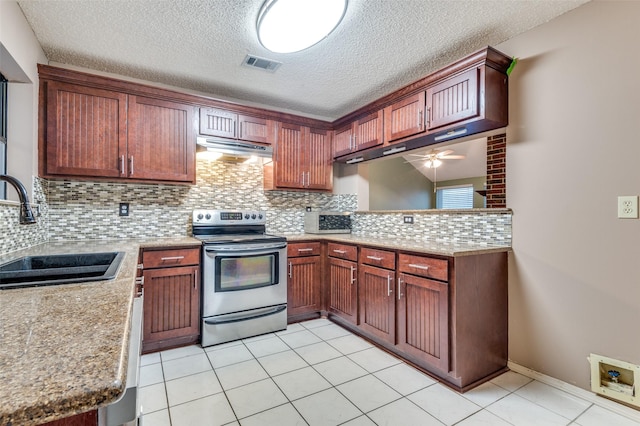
303 289
343 141
404 118
289 156
377 302
161 140
423 319
253 129
343 289
86 131
218 122
368 131
317 158
453 100
171 304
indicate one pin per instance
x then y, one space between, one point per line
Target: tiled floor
316 373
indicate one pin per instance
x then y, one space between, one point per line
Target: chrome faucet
26 215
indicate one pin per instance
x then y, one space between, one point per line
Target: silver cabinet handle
353 275
308 179
389 279
339 251
166 259
131 166
290 270
377 259
428 116
350 142
419 118
195 279
355 142
122 171
423 267
399 284
305 249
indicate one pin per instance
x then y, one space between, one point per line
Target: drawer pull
389 279
377 259
399 284
305 249
172 258
339 251
353 275
423 267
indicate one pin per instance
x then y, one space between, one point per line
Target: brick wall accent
497 171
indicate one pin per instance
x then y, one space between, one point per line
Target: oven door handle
238 248
231 318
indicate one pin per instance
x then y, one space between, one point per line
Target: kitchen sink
33 271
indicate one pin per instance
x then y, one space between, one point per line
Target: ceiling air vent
261 63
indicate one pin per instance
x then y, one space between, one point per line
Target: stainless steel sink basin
32 271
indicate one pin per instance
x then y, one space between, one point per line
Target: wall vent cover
265 64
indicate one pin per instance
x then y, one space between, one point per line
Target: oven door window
235 273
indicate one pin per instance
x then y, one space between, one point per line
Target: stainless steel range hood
234 148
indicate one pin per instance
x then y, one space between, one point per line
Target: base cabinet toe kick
446 315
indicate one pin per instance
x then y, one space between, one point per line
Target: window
3 134
454 197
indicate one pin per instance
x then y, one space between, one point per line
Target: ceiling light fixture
287 26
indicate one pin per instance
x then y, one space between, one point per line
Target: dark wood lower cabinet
343 289
377 302
171 298
423 319
303 293
90 418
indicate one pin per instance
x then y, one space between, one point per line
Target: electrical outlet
628 207
408 219
124 209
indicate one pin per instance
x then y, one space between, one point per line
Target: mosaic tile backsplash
72 210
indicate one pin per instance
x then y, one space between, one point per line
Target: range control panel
229 217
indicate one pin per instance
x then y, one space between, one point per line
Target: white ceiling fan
433 158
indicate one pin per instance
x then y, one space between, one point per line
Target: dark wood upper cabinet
86 130
161 136
455 99
228 124
302 159
218 122
363 133
405 118
253 129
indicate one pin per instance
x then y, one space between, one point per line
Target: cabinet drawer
381 258
424 266
169 258
343 251
303 249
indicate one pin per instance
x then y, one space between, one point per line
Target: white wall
22 52
573 147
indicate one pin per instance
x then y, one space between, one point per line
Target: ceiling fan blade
419 155
452 157
443 153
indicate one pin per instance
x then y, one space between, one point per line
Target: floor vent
615 379
261 63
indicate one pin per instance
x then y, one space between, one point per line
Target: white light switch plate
628 207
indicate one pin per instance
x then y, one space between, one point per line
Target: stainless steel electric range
244 279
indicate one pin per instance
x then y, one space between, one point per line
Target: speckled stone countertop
64 348
426 247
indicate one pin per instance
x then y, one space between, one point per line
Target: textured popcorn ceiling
380 46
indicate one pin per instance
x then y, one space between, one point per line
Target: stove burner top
231 227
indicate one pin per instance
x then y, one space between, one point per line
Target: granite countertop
424 246
65 347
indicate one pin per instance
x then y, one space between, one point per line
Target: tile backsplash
72 210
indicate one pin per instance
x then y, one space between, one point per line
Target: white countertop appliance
327 222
